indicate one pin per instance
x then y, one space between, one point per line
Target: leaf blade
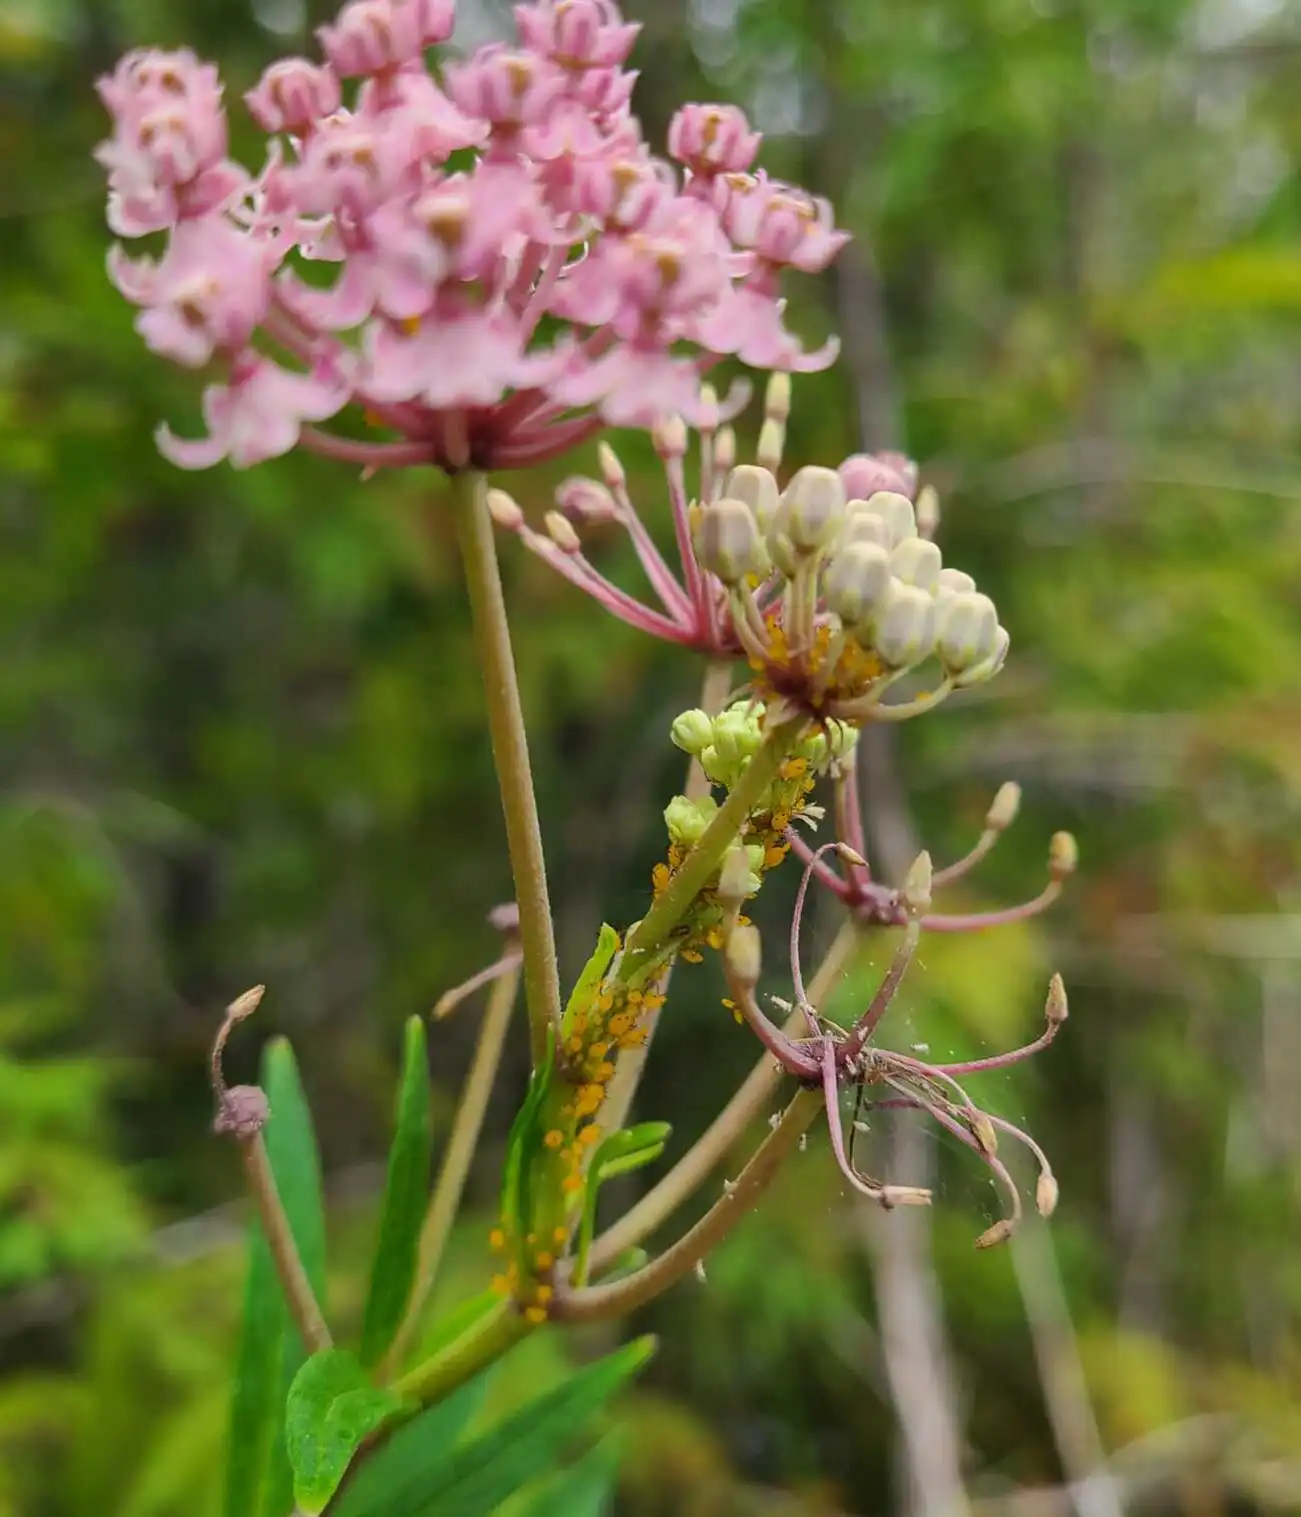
405 1197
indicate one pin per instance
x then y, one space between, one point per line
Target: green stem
714 690
594 1303
476 1348
466 1127
746 1107
510 753
651 933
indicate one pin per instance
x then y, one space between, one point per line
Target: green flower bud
734 878
736 735
744 956
726 538
754 856
815 749
856 581
968 631
904 633
686 820
897 513
841 739
917 562
693 731
757 488
816 498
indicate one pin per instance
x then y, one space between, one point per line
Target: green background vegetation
241 740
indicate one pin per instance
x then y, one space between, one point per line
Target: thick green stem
714 691
597 1302
476 1348
750 1102
466 1127
511 755
651 933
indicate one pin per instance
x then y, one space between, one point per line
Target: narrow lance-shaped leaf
619 1154
584 1490
474 1479
406 1195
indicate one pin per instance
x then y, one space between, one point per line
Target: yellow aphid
535 1314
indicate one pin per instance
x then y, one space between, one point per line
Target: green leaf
405 1198
458 1321
584 1490
291 1148
619 1154
589 982
524 1142
425 1441
255 1404
331 1408
410 1478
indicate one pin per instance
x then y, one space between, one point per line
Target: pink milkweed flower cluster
487 260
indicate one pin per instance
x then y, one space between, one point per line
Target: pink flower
292 95
864 474
257 416
505 88
713 139
209 293
779 223
458 355
577 34
373 35
633 387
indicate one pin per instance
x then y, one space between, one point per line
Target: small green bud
757 488
917 562
840 739
737 734
968 631
693 731
814 749
727 541
904 633
897 513
754 857
687 820
856 581
816 500
1063 855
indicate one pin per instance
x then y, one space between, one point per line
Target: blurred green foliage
241 740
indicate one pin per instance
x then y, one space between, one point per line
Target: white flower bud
669 437
917 562
856 581
708 413
928 511
505 510
777 396
744 955
693 731
864 524
968 631
772 441
904 633
979 673
561 532
735 877
757 488
727 541
1004 807
916 890
897 513
954 582
781 548
724 449
612 471
1046 1193
1063 855
816 507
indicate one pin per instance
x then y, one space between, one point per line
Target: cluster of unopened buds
831 588
412 233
